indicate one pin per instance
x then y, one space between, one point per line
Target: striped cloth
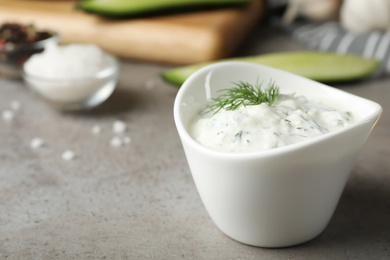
332 37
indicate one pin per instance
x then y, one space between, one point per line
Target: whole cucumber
128 8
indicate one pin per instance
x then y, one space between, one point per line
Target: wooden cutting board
185 38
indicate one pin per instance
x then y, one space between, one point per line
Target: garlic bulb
315 10
365 16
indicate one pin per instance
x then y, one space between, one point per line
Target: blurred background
188 32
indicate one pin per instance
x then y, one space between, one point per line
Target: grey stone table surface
139 201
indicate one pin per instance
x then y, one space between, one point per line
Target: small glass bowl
69 94
12 57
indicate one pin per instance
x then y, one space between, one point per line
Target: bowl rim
33 45
105 73
184 134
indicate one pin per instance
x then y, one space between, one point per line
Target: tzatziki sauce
290 119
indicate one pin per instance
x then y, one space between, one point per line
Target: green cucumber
119 8
320 66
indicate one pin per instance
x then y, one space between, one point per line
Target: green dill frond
243 94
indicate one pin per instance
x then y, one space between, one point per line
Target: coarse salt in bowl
72 77
282 196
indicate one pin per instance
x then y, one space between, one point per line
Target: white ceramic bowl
279 197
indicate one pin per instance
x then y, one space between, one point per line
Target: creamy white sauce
291 119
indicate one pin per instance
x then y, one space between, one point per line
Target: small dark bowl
12 57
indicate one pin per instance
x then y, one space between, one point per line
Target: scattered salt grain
68 155
116 142
15 105
119 127
36 143
127 140
149 84
96 129
8 115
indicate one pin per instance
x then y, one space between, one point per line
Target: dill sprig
243 94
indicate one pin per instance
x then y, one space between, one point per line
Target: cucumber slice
320 66
128 8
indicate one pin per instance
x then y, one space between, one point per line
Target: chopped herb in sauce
238 122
